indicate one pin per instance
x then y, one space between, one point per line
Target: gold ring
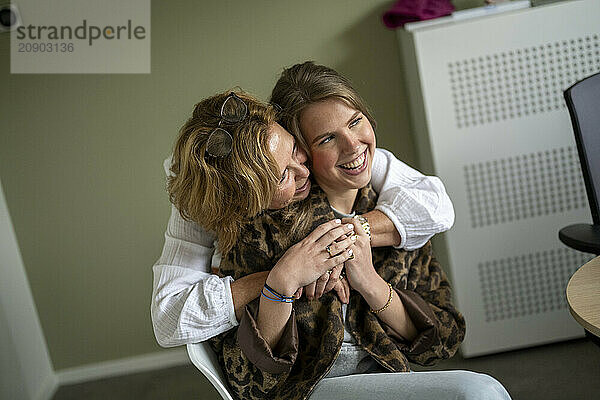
328 248
350 254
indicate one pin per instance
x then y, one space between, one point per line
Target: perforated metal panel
528 284
520 82
524 186
490 120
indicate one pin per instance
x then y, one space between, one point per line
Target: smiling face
294 184
341 142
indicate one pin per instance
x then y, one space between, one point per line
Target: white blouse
190 305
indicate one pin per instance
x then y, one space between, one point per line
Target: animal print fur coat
313 335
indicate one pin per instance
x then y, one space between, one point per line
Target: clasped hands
314 265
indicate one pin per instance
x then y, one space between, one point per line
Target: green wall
81 155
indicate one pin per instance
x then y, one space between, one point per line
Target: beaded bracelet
274 295
388 302
365 224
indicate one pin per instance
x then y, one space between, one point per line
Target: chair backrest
583 102
205 360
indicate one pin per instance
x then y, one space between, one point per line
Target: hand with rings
332 279
309 260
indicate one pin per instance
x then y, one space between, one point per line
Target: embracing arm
416 206
189 304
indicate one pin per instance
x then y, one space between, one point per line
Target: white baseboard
123 366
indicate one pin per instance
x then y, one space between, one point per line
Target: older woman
400 309
189 304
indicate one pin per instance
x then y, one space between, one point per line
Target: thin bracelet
278 297
388 302
262 292
277 300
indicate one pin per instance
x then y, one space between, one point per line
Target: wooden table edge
585 324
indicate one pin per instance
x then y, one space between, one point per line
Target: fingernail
353 237
338 221
350 226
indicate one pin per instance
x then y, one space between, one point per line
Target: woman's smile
303 188
356 166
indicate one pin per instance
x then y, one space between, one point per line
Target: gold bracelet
388 302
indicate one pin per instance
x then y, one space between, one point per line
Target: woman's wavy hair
222 193
303 84
299 86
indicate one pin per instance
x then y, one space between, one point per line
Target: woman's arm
300 265
364 278
263 350
421 316
383 231
189 304
416 206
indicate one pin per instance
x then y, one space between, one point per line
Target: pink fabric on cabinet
404 11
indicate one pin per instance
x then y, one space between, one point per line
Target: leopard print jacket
313 337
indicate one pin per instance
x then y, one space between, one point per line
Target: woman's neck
343 201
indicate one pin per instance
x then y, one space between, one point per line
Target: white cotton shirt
190 305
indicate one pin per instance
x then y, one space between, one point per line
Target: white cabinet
489 118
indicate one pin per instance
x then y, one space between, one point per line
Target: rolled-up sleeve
277 360
190 306
423 319
418 205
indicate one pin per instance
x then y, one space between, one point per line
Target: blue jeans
430 385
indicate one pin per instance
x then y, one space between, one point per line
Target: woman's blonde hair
303 84
222 193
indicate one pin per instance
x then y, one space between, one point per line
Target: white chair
206 361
